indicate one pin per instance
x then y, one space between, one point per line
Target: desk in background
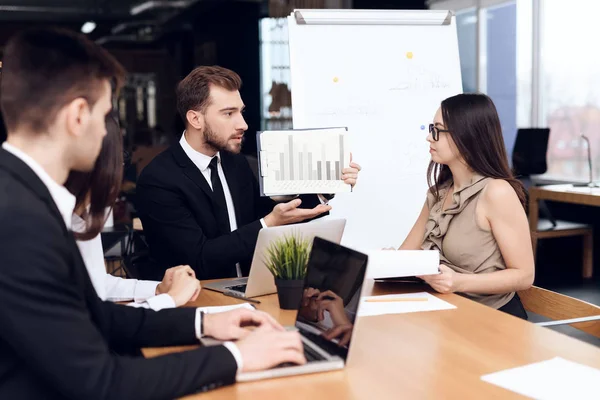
565 194
439 354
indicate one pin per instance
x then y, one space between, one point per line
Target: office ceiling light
88 27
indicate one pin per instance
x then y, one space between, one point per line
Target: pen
390 300
239 296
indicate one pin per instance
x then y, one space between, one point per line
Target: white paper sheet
556 378
408 305
218 309
402 263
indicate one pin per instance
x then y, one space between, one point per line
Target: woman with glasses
96 192
474 212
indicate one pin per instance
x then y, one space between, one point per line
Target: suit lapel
191 171
21 171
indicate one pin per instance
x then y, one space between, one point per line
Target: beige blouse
463 245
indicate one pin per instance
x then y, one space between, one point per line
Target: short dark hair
102 184
193 92
44 69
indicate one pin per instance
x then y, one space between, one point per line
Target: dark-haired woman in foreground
96 192
474 213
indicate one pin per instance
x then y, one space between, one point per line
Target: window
466 29
487 43
501 66
275 74
570 86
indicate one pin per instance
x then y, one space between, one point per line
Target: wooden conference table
435 355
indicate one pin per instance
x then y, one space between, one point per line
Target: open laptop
260 280
333 270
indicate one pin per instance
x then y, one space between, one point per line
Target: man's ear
195 119
77 115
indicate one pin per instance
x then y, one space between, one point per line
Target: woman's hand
444 282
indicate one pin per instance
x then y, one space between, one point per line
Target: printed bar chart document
302 161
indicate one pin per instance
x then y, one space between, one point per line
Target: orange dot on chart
335 79
409 55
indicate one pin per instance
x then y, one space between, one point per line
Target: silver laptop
334 284
260 280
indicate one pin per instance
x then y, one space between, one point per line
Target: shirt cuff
263 223
144 290
236 354
161 301
197 323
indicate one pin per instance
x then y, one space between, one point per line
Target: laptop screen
331 295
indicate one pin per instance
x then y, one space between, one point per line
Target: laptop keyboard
309 353
238 288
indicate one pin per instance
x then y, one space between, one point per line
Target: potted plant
286 258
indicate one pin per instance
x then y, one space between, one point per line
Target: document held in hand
402 263
304 161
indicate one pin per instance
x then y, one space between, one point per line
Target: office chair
562 310
529 158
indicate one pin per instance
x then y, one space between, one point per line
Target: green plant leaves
287 256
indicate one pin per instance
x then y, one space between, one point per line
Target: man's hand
310 308
341 332
266 347
350 175
231 325
331 302
289 213
184 285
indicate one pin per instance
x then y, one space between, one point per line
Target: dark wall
225 34
229 36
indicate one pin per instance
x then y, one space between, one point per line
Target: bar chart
304 161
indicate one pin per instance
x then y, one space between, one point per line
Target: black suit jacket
177 209
57 338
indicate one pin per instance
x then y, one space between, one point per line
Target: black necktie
219 196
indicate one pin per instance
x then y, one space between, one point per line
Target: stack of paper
401 263
552 379
401 303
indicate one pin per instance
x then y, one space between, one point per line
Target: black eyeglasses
435 132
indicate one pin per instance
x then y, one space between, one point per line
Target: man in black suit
57 338
199 201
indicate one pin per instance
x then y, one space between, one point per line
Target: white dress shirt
112 288
65 202
202 161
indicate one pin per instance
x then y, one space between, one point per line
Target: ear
77 114
195 119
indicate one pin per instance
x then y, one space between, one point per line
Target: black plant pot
289 293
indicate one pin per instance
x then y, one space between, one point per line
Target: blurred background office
534 58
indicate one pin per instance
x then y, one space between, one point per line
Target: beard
217 143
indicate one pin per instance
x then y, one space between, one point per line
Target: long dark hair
102 184
473 124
